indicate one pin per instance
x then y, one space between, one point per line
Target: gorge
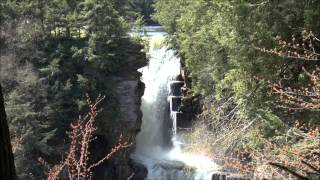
159 89
159 144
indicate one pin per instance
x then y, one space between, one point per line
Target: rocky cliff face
189 105
127 93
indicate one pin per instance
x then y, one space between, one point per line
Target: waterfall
163 66
158 147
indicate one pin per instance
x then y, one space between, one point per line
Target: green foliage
218 41
54 52
138 28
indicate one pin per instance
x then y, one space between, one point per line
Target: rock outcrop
184 102
125 122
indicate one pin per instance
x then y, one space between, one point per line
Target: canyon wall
126 122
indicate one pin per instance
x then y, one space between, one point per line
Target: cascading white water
150 143
162 67
164 162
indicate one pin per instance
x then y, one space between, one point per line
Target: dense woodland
256 65
52 54
253 63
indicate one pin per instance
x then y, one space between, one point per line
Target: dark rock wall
127 93
190 104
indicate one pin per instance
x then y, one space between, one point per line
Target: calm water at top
153 31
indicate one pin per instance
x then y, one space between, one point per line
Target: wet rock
175 102
219 177
186 113
236 178
184 120
171 165
186 105
175 88
139 170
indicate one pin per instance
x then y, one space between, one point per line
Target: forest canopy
52 54
254 66
255 63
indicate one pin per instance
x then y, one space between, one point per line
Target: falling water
163 66
157 145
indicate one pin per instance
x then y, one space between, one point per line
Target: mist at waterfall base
157 144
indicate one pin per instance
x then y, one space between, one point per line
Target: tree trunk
68 34
42 12
7 170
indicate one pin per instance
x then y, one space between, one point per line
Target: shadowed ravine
157 146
